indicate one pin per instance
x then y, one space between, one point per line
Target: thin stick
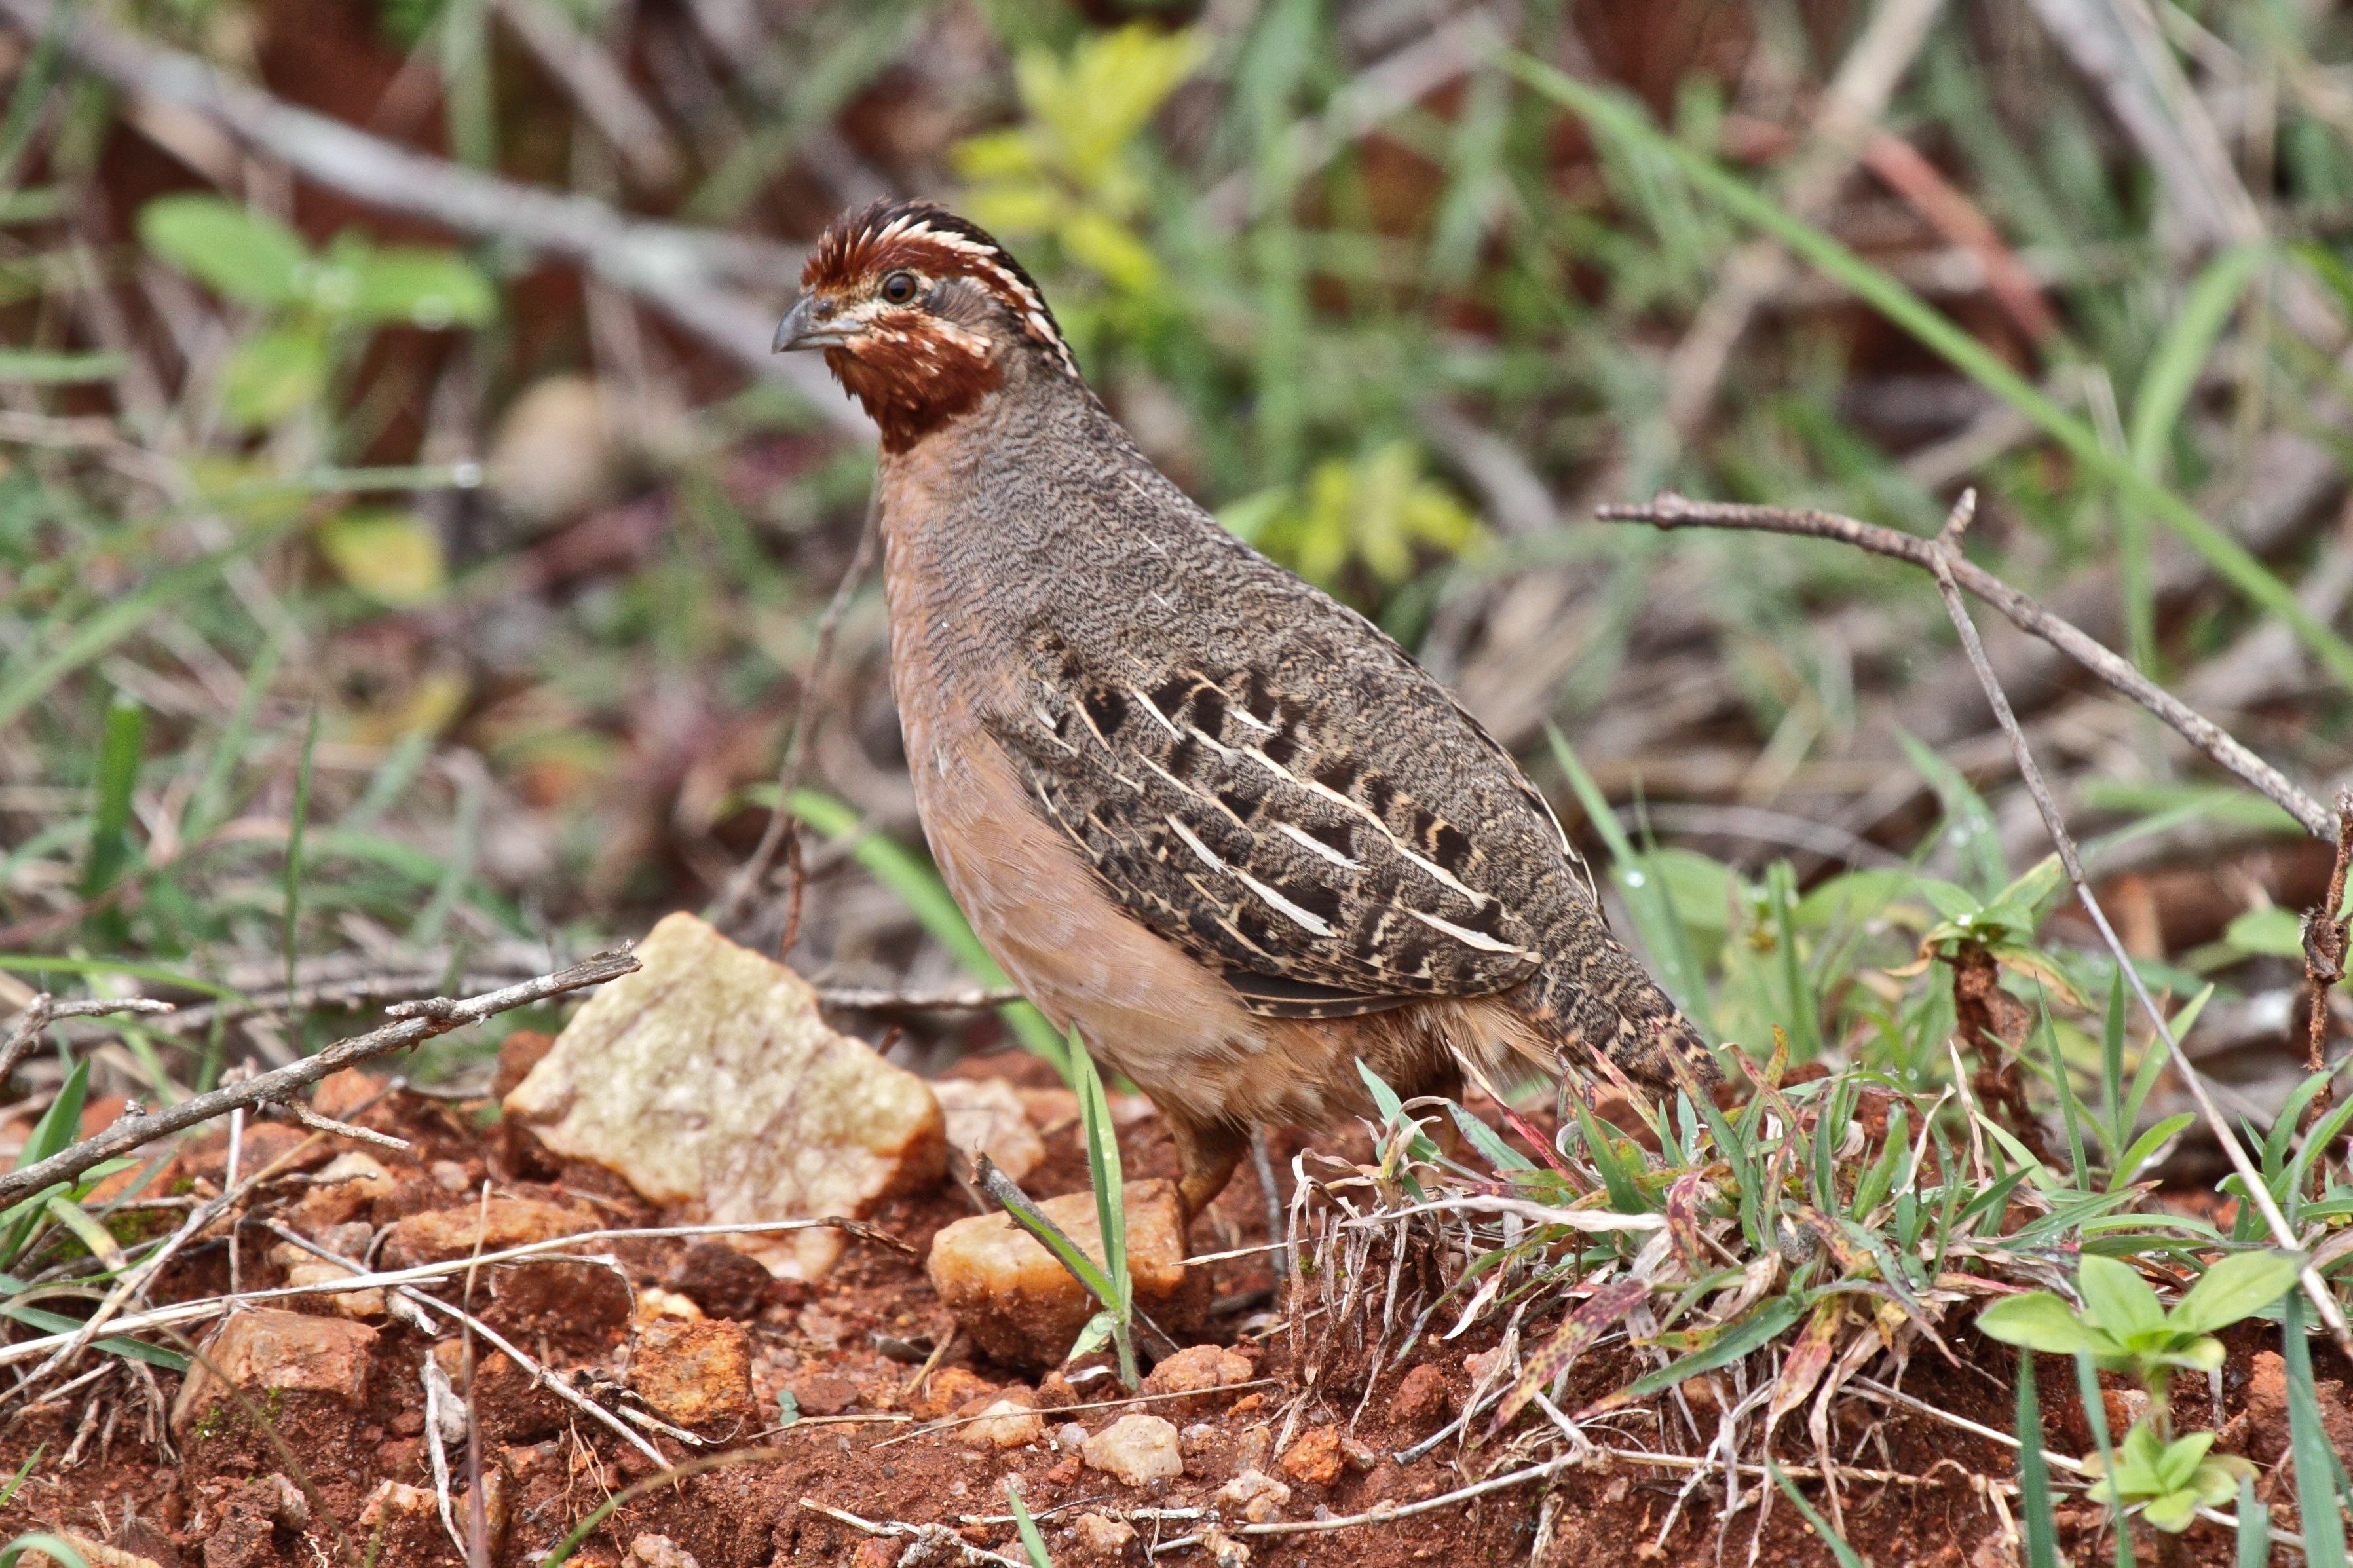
1945 554
931 1539
415 1022
1670 511
781 817
2325 936
44 1009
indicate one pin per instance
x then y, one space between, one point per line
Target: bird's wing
1224 818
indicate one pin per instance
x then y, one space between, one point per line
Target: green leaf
2254 1535
2115 1298
417 286
2145 1147
12 1555
2235 1288
2039 1320
272 373
2270 932
393 557
249 256
1761 1326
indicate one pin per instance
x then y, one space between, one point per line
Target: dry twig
2324 935
1670 511
1944 554
44 1009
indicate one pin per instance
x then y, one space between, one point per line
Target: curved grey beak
804 327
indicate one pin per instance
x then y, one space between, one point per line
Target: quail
1216 821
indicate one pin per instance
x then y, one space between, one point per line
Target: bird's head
920 314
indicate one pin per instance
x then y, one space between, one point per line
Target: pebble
264 1348
987 1116
1136 1449
1102 1540
1003 1424
1314 1460
1070 1436
1258 1495
1023 1308
694 1374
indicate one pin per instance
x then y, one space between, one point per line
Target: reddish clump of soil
885 1399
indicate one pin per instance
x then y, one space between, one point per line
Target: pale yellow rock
1004 1424
987 1116
1136 1449
1023 1308
709 1082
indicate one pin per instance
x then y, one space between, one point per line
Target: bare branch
1672 510
1944 554
415 1022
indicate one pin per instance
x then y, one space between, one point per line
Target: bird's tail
1595 997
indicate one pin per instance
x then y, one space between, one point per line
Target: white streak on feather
1315 846
1202 850
1313 924
1479 940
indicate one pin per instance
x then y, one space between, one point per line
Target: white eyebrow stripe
1479 940
1315 846
1153 709
1199 848
1314 924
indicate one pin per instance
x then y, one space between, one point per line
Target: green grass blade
1623 120
121 748
919 887
2254 1537
1846 1556
2315 1462
1033 1544
2033 1473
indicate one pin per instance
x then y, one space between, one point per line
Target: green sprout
2123 1326
2169 1482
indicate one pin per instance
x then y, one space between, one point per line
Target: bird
1195 807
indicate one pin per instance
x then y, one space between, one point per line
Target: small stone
1102 1540
1070 1436
1223 1549
1421 1400
1003 1424
448 1176
345 1188
660 1552
440 1235
825 1395
1258 1495
1066 1473
1024 1309
291 1352
986 1115
1136 1449
878 1552
653 1302
951 1388
709 1081
724 1281
1055 1393
697 1374
1198 1370
1314 1460
1199 1437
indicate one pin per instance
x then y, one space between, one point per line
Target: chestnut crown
917 312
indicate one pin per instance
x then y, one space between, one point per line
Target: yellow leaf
394 558
1108 249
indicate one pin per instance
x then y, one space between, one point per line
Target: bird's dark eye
899 288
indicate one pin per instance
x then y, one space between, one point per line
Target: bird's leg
1207 1154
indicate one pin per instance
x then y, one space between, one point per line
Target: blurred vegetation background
411 560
